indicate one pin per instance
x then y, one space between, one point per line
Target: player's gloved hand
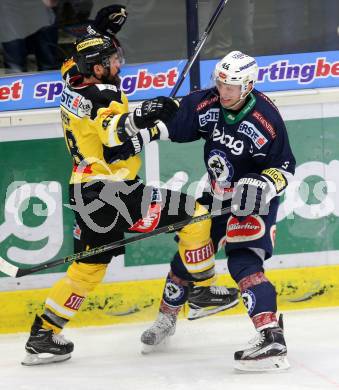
124 151
109 20
132 146
160 108
251 195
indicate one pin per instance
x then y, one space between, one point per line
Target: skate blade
201 312
43 358
161 347
276 363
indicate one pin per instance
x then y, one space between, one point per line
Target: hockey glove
109 20
252 195
160 108
132 146
124 151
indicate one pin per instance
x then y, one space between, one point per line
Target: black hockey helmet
95 49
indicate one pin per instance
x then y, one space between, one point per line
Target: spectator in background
233 29
28 27
74 13
313 26
147 13
323 26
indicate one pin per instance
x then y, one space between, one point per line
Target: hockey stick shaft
16 272
198 47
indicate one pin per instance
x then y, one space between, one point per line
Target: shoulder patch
101 96
265 123
76 103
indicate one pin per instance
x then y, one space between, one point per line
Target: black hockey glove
252 195
160 108
124 151
132 146
109 20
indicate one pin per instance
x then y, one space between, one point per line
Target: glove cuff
131 128
154 133
276 179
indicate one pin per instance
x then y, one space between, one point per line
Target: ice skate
45 346
157 336
268 352
205 301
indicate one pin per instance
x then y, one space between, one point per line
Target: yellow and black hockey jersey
91 116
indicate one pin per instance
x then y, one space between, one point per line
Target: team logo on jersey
212 115
236 146
253 133
249 300
219 167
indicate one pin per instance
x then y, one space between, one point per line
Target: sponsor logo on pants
193 256
252 228
74 301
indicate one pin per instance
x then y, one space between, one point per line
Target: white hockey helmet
237 68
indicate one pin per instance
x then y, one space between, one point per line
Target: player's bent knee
196 232
243 262
196 251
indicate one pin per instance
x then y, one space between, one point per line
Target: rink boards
133 301
33 190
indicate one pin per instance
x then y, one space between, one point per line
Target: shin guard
67 294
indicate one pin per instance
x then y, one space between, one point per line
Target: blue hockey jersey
236 143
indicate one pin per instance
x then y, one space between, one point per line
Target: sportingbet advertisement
143 81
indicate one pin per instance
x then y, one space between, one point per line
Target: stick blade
8 268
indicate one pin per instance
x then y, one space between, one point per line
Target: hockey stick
198 47
16 272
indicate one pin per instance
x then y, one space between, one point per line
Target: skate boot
205 301
44 346
157 336
268 352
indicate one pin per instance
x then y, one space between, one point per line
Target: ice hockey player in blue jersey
249 162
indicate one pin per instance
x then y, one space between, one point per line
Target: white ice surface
200 357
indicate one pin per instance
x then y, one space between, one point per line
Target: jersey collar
231 117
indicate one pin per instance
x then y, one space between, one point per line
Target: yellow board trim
126 302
